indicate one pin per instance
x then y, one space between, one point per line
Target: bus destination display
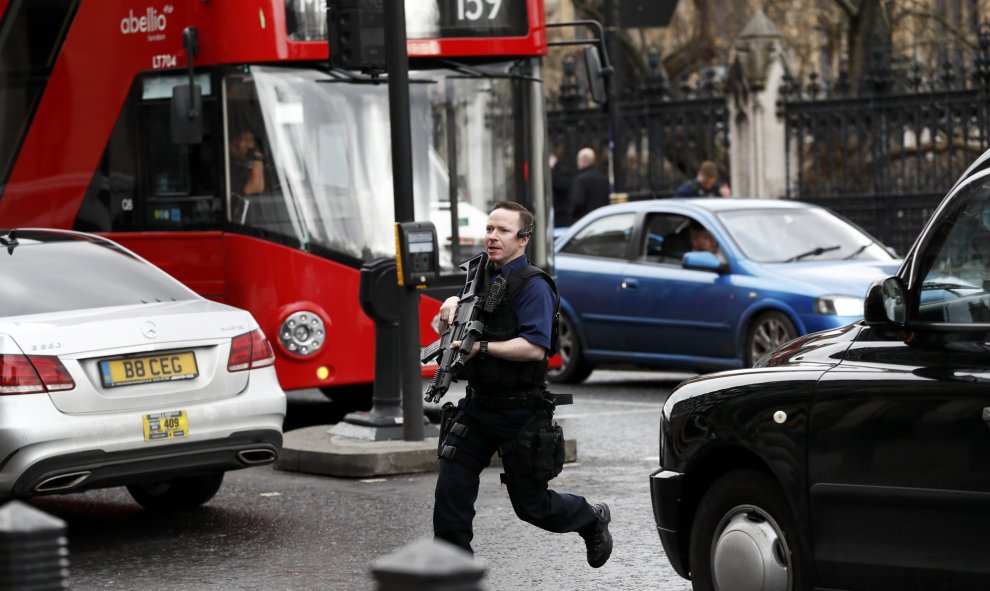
437 19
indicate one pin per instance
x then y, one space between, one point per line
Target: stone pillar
758 134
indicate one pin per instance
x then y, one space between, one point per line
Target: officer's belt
519 398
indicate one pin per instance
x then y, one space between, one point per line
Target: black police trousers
457 483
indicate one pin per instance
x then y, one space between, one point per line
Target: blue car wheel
768 331
574 369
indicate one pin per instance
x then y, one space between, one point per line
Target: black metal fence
882 154
885 155
656 136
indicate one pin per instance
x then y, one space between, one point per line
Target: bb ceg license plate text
148 368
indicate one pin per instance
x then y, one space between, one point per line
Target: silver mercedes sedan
112 373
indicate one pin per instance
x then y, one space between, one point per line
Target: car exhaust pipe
62 482
256 456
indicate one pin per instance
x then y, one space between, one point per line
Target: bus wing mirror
596 77
187 99
187 114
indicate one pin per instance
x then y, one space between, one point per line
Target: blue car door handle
629 284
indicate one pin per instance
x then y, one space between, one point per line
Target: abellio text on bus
289 190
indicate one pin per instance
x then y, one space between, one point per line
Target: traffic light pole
397 65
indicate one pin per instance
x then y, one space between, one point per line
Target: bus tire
353 398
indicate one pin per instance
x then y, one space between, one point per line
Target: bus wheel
573 368
352 398
175 495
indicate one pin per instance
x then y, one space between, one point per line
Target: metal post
397 63
34 552
613 86
570 102
429 565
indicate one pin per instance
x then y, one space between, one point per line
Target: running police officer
507 408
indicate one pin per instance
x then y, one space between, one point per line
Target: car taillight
53 374
249 351
20 374
261 350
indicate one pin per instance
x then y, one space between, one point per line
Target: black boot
597 538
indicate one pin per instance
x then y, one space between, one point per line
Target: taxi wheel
573 368
175 495
744 537
767 332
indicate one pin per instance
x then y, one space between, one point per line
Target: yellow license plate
149 368
173 424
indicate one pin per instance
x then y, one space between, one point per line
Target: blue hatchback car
706 284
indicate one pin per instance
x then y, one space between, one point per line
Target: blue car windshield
793 235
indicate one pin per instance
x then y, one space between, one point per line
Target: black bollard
429 565
379 296
34 554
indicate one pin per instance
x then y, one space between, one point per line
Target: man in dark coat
590 189
561 177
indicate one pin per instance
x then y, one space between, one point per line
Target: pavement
362 446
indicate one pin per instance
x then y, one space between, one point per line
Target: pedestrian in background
706 184
507 407
561 177
590 189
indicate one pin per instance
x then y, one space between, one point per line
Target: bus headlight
302 333
839 306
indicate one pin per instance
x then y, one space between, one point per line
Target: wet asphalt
268 529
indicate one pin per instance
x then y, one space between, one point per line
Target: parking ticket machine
417 255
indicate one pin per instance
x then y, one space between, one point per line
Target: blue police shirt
534 306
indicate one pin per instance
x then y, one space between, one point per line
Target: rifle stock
466 327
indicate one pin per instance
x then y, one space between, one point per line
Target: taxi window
957 261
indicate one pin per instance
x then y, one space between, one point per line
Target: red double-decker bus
289 191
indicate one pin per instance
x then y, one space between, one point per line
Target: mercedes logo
150 330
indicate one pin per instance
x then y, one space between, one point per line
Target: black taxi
855 458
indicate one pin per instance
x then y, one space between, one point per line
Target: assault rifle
466 327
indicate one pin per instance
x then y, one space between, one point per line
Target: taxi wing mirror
886 303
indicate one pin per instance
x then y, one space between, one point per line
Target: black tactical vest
493 376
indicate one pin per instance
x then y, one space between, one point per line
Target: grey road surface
268 529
